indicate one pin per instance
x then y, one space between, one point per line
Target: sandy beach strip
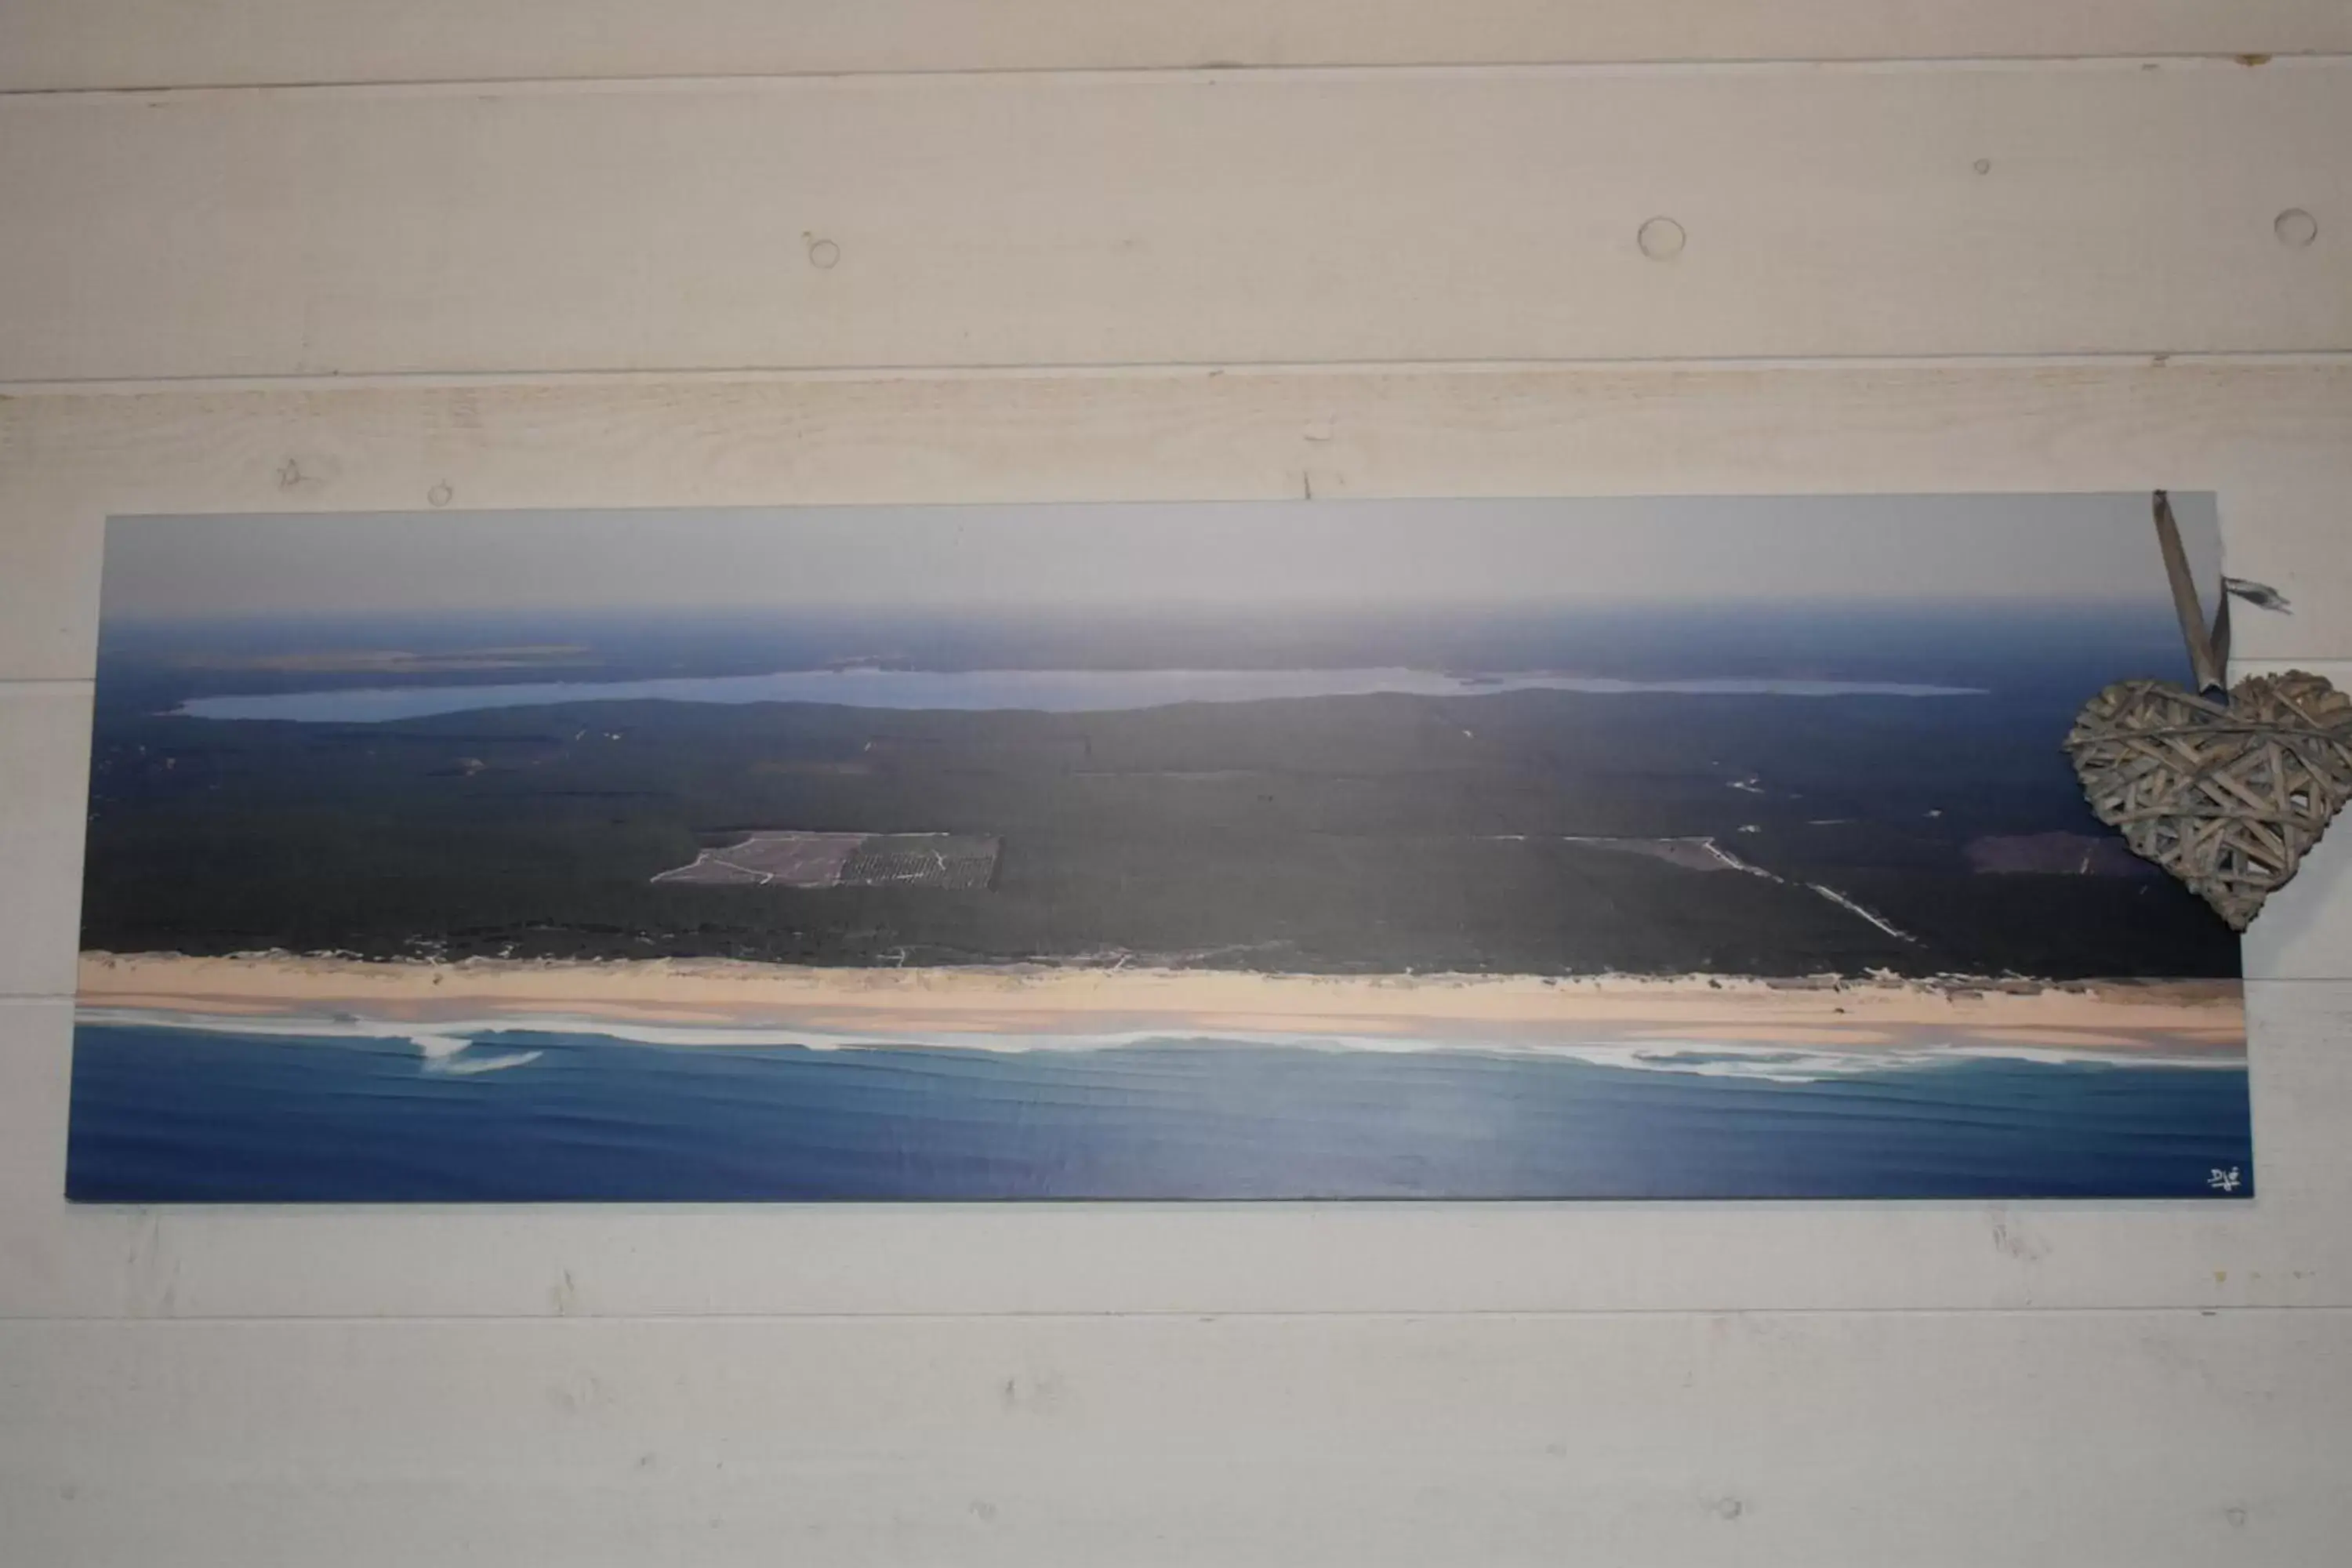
2119 1015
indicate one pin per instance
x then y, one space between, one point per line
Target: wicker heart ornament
2227 794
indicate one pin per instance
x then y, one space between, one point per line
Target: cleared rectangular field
922 861
780 859
802 859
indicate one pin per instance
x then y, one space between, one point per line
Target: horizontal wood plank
48 45
2306 928
2288 1247
2274 441
1192 218
1755 1438
43 794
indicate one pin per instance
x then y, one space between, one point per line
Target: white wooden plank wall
50 44
258 255
1108 218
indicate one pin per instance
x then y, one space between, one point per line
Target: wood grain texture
1194 218
2072 1438
2288 1247
44 765
2306 926
48 45
2274 440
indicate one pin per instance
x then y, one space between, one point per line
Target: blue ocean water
168 1114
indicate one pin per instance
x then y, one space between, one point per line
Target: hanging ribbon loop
2209 648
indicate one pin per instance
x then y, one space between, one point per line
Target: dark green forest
1324 835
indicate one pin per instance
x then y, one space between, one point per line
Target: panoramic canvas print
1534 849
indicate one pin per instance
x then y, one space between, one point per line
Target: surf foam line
442 1052
445 1056
443 1045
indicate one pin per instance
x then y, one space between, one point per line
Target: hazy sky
1505 552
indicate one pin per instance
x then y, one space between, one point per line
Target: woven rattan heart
2227 796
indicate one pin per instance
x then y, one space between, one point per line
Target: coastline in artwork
1472 850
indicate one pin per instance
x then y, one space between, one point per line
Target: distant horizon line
1128 609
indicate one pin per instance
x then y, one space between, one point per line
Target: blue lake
169 1114
985 691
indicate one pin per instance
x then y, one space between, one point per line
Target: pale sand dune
2121 1015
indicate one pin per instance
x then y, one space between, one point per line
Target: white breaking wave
445 1056
442 1052
445 1053
469 1066
443 1047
